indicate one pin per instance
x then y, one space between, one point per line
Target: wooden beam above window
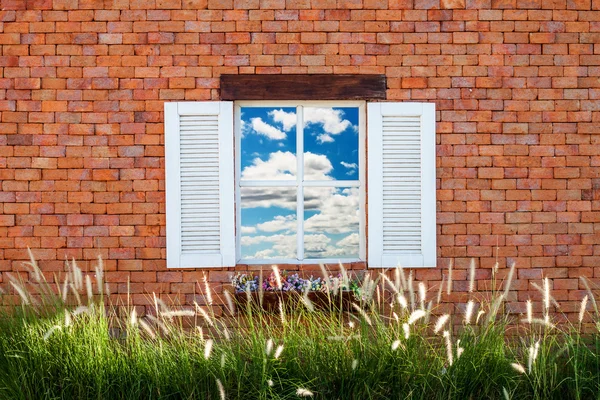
303 87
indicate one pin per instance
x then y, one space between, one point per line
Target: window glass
268 143
331 222
268 223
329 209
330 143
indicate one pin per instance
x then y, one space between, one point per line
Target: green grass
52 350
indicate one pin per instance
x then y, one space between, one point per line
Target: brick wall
516 84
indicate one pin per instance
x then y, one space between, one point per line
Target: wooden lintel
303 87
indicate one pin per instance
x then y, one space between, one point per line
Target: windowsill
313 261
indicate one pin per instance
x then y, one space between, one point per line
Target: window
300 182
294 189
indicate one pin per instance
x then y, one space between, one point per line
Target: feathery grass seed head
229 300
208 348
88 286
415 316
518 367
22 292
133 317
582 308
301 392
147 328
422 292
546 294
278 351
207 291
281 312
469 312
472 276
50 331
362 313
269 347
509 279
221 389
449 354
440 323
402 301
204 314
479 315
450 277
406 329
277 276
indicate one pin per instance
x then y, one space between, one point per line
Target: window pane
268 223
330 143
268 143
331 222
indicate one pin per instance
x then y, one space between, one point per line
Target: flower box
320 300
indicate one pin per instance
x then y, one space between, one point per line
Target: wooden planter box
321 300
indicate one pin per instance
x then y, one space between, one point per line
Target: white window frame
300 184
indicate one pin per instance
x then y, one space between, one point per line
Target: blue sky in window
268 148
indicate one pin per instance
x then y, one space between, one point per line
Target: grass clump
68 341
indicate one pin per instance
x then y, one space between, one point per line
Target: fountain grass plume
582 308
207 291
278 279
472 276
469 311
590 294
441 322
440 291
449 289
416 315
422 294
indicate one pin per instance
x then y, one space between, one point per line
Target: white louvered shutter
401 185
199 184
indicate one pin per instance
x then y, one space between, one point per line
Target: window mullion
299 180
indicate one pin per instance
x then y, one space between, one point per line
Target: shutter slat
401 203
199 148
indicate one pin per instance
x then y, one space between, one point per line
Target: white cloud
332 120
352 167
281 246
315 246
317 167
262 128
279 223
287 119
324 138
267 253
349 165
284 246
338 212
282 166
248 229
352 240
